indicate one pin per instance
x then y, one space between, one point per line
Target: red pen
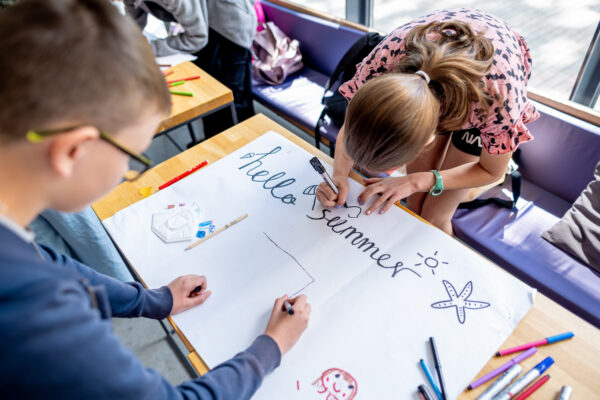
168 73
533 387
186 173
189 78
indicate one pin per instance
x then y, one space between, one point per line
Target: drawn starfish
460 301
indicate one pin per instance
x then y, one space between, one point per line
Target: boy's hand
284 328
328 198
184 296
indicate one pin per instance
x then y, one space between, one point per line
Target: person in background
70 121
220 34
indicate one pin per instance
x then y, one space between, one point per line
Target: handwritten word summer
268 182
361 242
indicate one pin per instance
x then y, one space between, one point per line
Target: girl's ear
65 149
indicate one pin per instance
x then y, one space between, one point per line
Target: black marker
195 290
323 172
438 368
288 307
424 392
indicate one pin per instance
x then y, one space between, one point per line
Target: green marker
183 93
177 83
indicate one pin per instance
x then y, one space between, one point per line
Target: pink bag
276 56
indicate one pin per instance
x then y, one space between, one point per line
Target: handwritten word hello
361 242
286 198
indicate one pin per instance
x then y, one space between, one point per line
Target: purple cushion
298 98
322 43
563 154
513 241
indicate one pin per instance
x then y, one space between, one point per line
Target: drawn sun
431 262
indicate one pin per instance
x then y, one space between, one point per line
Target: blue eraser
558 338
548 361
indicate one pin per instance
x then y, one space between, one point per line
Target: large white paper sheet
380 285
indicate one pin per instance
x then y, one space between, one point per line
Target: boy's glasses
138 164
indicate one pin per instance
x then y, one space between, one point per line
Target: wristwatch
438 187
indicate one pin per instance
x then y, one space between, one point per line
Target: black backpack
335 104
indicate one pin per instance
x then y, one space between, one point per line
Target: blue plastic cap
548 361
560 337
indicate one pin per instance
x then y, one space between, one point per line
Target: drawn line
312 279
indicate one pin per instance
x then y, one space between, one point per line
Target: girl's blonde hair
393 116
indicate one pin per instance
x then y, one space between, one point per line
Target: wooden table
210 96
577 361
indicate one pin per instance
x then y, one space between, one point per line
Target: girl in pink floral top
445 92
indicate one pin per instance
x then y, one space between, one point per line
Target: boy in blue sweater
81 94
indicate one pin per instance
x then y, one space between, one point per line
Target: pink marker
548 340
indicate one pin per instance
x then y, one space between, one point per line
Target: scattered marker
548 340
182 93
189 78
145 191
298 385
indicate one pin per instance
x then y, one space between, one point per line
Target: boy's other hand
328 198
184 296
284 328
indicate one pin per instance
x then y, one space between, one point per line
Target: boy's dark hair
74 62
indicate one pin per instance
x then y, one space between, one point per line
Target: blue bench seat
298 98
556 167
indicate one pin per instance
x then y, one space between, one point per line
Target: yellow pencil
221 229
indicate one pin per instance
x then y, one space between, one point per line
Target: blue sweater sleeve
72 353
126 299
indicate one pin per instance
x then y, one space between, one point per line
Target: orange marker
189 78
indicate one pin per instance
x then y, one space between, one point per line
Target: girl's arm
342 163
487 170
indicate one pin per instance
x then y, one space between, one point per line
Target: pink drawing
336 384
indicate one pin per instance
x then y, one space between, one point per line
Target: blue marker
430 379
525 380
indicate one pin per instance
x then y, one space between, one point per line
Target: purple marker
503 368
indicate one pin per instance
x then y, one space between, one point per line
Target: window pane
558 32
334 7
